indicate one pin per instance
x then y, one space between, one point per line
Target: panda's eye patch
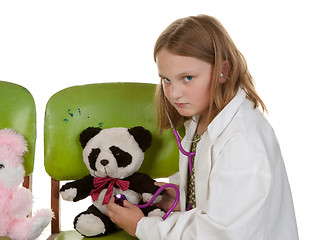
123 158
92 157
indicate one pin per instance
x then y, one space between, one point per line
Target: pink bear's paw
40 221
19 229
21 203
30 228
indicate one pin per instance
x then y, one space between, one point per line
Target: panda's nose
104 162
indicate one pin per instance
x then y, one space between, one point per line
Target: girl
238 187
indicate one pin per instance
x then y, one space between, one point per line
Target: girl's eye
188 78
166 80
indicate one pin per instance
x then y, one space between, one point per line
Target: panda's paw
89 225
69 194
148 196
156 212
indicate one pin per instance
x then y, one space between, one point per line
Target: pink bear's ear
15 141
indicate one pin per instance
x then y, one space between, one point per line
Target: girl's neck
200 130
201 127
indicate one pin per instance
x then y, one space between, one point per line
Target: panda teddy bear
113 157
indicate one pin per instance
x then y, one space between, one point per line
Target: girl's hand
127 217
168 198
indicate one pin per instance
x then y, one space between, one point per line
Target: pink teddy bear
15 201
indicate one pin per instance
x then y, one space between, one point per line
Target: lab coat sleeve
236 205
175 179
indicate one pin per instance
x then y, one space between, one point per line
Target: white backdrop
50 45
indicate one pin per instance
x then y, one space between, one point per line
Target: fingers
160 184
127 204
112 209
126 217
111 202
168 198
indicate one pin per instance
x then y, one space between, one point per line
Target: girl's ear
224 71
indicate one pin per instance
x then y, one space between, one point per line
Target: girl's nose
176 91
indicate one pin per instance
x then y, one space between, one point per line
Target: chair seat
73 235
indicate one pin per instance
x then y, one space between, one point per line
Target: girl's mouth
180 105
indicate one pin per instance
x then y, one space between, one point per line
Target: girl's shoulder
248 141
251 119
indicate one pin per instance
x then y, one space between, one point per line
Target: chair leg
28 182
55 223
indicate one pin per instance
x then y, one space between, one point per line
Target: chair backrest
106 105
18 112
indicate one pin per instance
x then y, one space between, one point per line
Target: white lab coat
242 190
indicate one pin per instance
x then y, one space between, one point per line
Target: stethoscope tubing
190 155
157 193
184 152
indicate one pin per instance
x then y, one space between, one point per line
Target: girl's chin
185 113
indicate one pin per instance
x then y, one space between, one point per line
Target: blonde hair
203 37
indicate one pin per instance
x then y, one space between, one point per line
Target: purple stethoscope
119 198
190 155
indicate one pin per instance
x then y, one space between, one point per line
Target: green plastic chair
106 105
17 109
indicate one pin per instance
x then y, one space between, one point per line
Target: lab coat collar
217 126
191 126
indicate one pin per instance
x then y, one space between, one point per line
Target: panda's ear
87 134
142 136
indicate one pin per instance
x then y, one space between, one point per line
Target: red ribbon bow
101 182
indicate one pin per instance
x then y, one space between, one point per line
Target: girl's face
186 82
